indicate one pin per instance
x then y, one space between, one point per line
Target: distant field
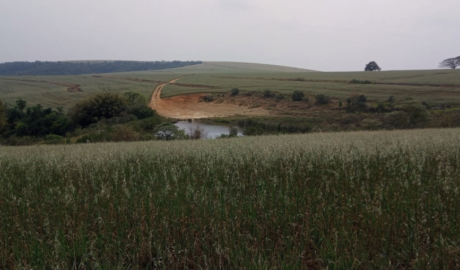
435 86
48 93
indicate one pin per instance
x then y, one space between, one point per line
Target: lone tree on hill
372 66
452 63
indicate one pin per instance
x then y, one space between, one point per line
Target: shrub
150 123
2 115
416 112
279 97
208 98
37 121
356 102
134 98
54 139
124 133
97 136
267 93
360 82
427 106
322 99
371 124
196 132
297 95
141 111
100 106
397 119
235 91
168 132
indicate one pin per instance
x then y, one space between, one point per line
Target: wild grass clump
362 200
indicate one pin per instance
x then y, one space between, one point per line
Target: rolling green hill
434 86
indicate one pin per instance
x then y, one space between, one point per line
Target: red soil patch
192 107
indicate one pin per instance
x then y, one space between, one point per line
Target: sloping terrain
433 86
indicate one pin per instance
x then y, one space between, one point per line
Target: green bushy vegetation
2 115
100 118
298 95
322 99
34 121
235 91
267 93
358 200
360 81
103 105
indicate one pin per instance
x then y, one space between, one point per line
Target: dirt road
191 107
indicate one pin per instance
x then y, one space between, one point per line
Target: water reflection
210 131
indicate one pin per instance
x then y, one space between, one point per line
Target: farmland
435 87
356 200
349 200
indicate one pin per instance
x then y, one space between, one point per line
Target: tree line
38 68
36 121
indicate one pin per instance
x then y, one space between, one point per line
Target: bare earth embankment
192 107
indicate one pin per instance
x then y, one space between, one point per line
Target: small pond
211 131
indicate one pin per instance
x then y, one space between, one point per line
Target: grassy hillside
362 200
434 86
54 90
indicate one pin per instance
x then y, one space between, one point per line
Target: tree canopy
35 121
297 95
372 66
89 67
452 63
134 98
2 115
101 105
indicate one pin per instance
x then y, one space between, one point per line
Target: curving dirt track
191 107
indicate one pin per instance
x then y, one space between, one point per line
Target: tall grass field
363 200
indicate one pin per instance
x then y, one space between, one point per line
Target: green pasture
223 76
334 84
51 95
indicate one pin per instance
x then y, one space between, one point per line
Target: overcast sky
326 35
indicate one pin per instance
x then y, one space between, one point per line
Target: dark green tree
372 66
134 98
322 99
452 63
267 93
2 115
348 104
37 121
297 95
168 132
137 105
416 112
100 106
235 91
21 104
